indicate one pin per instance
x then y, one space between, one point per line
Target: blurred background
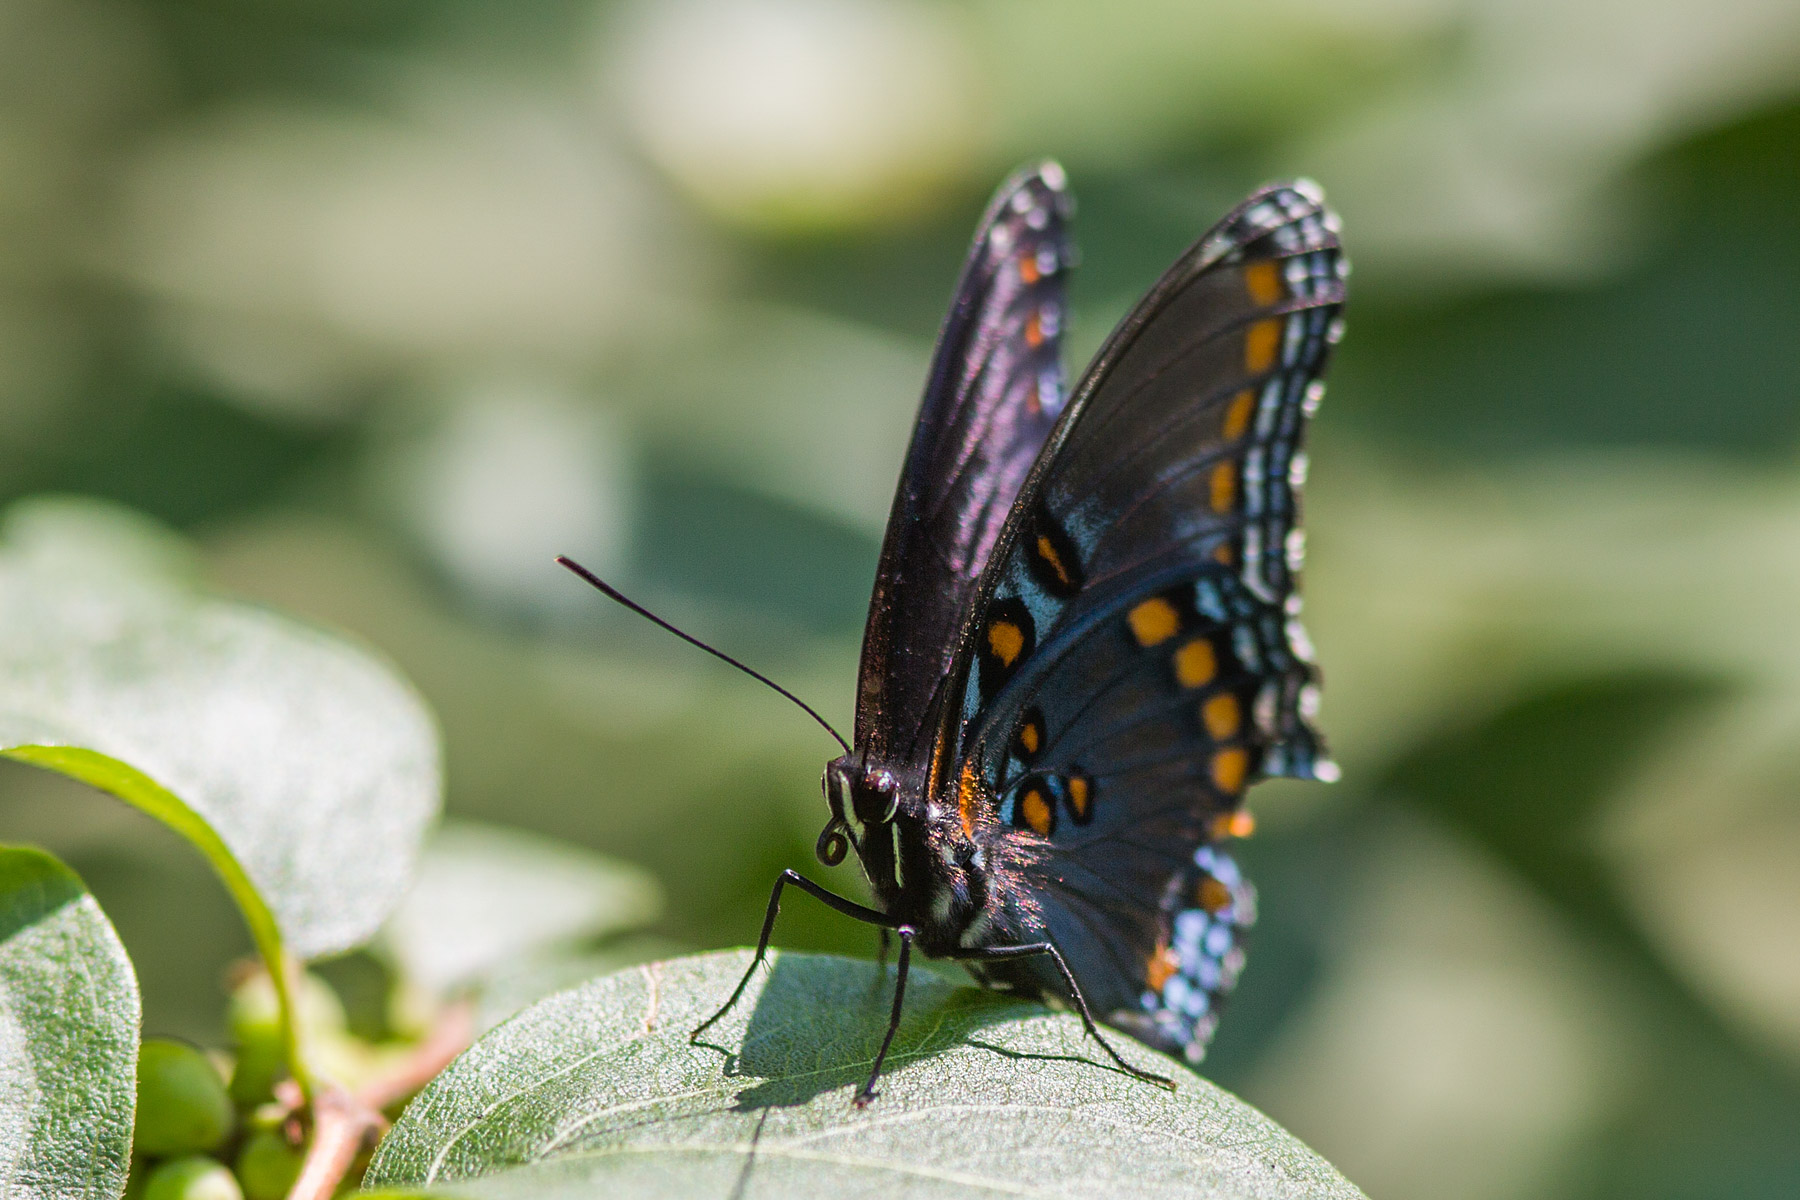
385 302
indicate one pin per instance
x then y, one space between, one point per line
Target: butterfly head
862 799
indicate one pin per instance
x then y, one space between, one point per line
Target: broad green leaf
302 767
69 1018
487 896
144 793
597 1091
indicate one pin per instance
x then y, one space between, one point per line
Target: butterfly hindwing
1120 779
1207 909
1135 659
993 396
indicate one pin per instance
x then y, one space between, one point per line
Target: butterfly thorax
929 867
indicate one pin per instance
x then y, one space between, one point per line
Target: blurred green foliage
387 302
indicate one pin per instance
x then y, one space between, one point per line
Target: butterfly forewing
993 396
1134 657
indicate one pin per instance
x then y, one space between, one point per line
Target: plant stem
340 1127
284 974
343 1123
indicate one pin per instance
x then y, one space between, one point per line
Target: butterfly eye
877 799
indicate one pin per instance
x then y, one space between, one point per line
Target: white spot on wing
1297 468
1309 701
1315 394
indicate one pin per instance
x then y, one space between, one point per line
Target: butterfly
1084 639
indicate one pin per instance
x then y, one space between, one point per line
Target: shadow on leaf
816 1024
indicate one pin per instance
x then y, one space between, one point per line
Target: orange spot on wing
1224 554
1080 795
1222 716
1006 640
1263 281
1161 968
1195 664
1034 806
1212 895
1237 417
1030 737
1229 768
1034 332
968 789
1260 345
1224 487
1238 824
1047 551
1028 269
1153 621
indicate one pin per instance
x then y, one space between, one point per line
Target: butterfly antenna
615 594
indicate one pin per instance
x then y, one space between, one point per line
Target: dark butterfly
1084 641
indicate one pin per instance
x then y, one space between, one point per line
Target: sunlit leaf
144 793
597 1091
302 767
68 1036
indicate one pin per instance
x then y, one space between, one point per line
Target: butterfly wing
1135 658
993 396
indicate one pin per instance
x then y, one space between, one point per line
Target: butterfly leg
905 961
848 907
881 949
1001 953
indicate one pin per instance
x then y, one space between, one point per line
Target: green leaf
597 1092
488 896
145 794
302 767
69 1017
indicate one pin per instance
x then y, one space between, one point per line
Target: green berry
193 1178
267 1166
257 1071
255 1024
182 1105
254 1019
